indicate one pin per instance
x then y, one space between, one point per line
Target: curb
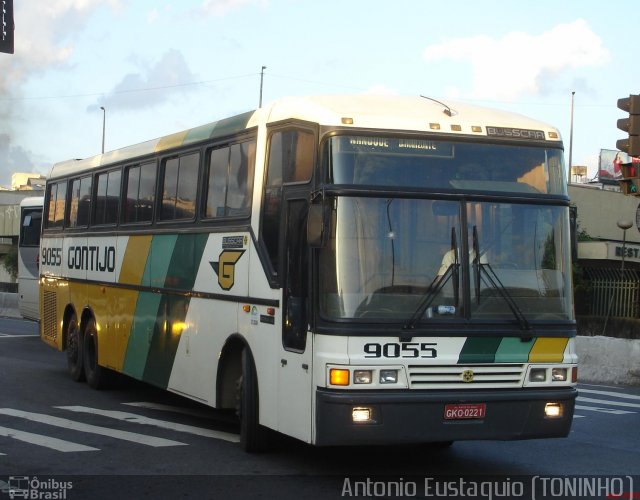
608 360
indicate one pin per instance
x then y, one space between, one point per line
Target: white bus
286 263
28 257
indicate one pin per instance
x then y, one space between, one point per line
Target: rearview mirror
315 225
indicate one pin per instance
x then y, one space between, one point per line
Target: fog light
538 375
361 415
362 377
553 410
388 376
559 374
338 376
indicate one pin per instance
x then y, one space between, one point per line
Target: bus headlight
361 415
388 376
553 410
538 375
362 377
559 374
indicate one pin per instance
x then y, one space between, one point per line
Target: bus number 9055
403 350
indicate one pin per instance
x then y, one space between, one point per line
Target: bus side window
107 198
229 180
180 185
291 159
56 197
294 333
80 206
141 185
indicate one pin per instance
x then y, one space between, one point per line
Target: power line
124 91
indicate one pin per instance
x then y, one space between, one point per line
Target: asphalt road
134 441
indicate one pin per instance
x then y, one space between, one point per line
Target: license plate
465 411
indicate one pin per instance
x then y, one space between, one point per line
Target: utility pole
261 81
570 141
104 120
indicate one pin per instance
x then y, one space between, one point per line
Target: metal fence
614 294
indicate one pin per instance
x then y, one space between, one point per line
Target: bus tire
75 349
96 375
253 436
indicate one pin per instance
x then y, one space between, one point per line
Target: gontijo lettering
92 258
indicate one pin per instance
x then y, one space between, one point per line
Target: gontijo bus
343 270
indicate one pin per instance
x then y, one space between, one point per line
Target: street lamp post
624 225
261 81
571 139
104 120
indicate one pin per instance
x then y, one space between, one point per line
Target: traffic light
631 125
630 182
6 25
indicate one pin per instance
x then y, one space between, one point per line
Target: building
28 182
602 287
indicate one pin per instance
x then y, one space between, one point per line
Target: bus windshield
389 258
417 163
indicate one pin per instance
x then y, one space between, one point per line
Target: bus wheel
74 349
96 375
253 437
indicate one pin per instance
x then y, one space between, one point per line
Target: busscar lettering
516 133
92 258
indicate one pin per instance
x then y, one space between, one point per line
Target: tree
10 262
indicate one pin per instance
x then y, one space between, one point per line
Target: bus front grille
471 376
49 324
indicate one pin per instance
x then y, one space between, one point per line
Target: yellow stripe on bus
135 259
548 350
171 141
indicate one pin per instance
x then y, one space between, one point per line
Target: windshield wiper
492 279
437 285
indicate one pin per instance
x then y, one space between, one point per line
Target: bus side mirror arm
315 225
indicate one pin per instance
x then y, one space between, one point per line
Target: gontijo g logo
230 255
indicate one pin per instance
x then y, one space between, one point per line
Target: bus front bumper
399 417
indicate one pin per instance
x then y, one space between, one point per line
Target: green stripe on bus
160 253
166 337
185 261
221 128
514 350
142 330
479 350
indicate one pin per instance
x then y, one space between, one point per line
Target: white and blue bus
344 270
29 256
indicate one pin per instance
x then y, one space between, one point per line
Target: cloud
44 40
220 8
520 63
12 159
154 85
44 33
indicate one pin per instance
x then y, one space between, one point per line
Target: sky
158 67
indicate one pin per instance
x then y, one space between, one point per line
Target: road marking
92 429
603 410
582 384
8 335
138 419
608 402
578 416
46 441
608 393
194 412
